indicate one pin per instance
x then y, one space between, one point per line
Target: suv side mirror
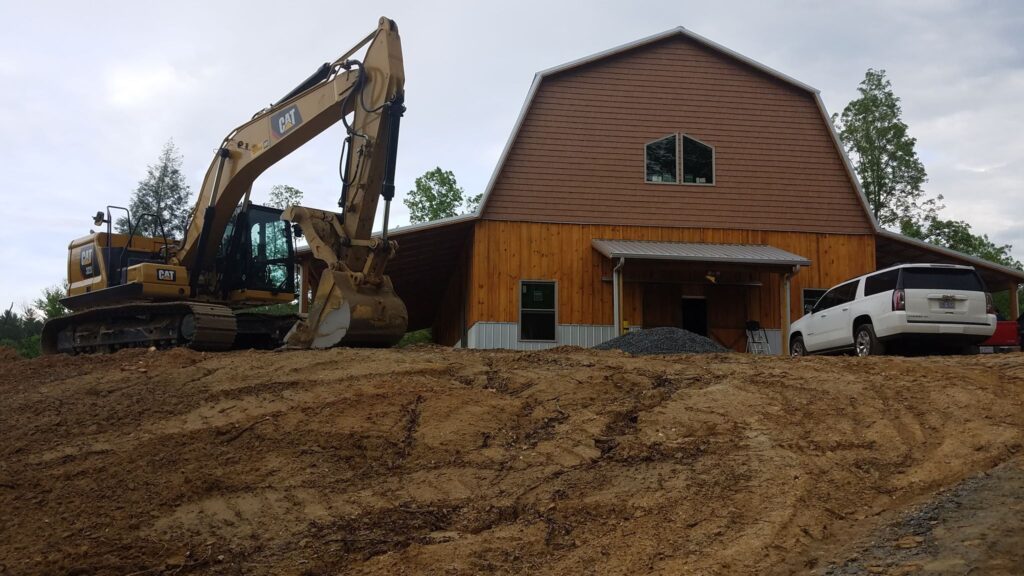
808 308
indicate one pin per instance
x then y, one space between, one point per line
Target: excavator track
196 325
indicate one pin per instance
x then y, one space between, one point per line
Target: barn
666 182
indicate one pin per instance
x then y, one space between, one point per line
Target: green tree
162 192
874 134
438 195
958 235
282 196
49 303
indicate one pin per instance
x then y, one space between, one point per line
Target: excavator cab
256 260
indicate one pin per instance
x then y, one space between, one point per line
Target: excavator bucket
343 314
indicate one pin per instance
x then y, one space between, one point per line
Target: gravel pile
662 341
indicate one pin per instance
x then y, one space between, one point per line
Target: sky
91 91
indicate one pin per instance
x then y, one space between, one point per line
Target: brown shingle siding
579 153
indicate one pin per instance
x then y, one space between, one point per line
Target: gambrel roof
688 34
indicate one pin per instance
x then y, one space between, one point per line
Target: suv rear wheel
865 343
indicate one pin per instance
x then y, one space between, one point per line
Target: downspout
617 296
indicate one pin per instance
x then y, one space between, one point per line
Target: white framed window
661 160
538 314
679 159
698 161
811 297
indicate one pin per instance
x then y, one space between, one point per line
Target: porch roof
755 254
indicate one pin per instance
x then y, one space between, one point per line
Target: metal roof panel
699 252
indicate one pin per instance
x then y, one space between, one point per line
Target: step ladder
757 339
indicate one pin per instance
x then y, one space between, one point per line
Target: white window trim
803 295
519 319
681 169
678 159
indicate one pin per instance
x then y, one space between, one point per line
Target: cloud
144 85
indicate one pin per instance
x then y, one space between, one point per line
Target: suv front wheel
796 347
865 343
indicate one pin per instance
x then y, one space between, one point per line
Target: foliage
438 195
49 303
424 336
283 309
27 347
282 196
164 193
21 331
874 134
957 235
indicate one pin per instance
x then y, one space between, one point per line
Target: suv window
879 283
942 279
839 295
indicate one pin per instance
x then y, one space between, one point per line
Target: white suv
940 305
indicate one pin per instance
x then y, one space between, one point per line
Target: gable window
661 161
698 162
537 311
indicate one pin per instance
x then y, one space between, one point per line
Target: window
878 283
537 311
811 297
662 161
942 279
839 295
698 162
660 157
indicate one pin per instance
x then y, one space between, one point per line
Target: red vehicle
1006 338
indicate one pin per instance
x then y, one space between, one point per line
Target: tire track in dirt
430 460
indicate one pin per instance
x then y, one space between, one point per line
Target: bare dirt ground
437 461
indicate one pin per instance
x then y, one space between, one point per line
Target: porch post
1014 306
787 313
617 296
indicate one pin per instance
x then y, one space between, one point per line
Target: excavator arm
131 291
354 301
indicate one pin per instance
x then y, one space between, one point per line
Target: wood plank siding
578 156
506 252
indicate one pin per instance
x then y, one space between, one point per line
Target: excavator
203 291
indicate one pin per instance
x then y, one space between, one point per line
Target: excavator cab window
257 252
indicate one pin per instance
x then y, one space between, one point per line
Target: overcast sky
91 91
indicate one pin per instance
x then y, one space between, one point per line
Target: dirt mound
662 341
438 461
8 355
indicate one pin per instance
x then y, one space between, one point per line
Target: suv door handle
824 316
845 309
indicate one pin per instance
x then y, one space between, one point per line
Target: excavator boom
192 291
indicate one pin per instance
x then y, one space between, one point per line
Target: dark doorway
695 315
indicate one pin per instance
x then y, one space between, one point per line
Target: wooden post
617 296
786 315
1014 305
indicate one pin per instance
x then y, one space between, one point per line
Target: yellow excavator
126 290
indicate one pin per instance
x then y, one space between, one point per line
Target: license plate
947 304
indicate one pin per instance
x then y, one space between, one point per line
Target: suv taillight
990 306
899 300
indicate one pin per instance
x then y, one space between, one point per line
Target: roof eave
974 260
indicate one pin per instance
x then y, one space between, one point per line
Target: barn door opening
695 315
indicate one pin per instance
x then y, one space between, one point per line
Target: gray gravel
662 341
